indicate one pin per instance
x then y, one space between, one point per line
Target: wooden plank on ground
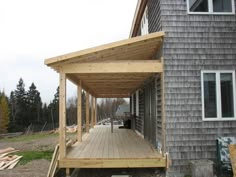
54 162
232 152
13 165
11 162
6 150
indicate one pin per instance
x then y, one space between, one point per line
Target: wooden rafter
115 69
119 46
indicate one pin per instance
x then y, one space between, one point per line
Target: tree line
24 109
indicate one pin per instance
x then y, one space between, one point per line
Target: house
199 63
181 84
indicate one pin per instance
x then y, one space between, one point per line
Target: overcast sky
33 30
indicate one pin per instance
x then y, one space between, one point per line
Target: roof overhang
112 70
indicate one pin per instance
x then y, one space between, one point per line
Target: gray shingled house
199 55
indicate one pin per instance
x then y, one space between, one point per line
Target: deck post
163 110
92 111
62 116
95 111
79 113
87 112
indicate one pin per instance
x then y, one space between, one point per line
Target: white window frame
210 9
218 95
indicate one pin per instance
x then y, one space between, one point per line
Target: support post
95 111
92 111
163 110
79 113
87 112
62 115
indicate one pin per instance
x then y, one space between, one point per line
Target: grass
30 137
34 155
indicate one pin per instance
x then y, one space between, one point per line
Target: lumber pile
8 161
69 129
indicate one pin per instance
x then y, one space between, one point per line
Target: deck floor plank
122 147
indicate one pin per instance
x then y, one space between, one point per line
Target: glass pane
222 5
198 5
210 95
227 103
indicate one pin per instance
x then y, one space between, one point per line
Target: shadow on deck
121 149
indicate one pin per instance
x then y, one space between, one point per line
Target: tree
71 113
53 109
4 113
21 105
34 104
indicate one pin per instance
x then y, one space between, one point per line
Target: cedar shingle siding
192 43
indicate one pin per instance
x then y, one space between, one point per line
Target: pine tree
21 105
4 113
34 104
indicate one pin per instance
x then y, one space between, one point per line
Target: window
218 95
144 23
211 6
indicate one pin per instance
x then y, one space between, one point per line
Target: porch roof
112 70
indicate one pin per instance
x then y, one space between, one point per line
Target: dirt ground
39 168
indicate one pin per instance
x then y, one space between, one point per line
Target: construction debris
8 161
69 129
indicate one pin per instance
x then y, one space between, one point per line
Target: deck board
103 149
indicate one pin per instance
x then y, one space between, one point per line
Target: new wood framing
113 70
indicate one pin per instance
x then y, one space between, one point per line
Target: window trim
210 9
218 94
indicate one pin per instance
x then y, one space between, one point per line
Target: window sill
211 13
218 119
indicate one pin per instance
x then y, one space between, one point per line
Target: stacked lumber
8 161
69 129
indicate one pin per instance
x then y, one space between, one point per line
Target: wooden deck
121 149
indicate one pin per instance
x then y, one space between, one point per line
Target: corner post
87 112
79 113
62 115
163 115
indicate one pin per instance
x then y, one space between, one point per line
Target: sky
34 30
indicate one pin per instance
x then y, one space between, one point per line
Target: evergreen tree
4 113
21 105
34 104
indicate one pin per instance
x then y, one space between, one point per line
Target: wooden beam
132 66
79 113
62 116
77 81
113 95
87 112
112 163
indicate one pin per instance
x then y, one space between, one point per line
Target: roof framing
112 70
